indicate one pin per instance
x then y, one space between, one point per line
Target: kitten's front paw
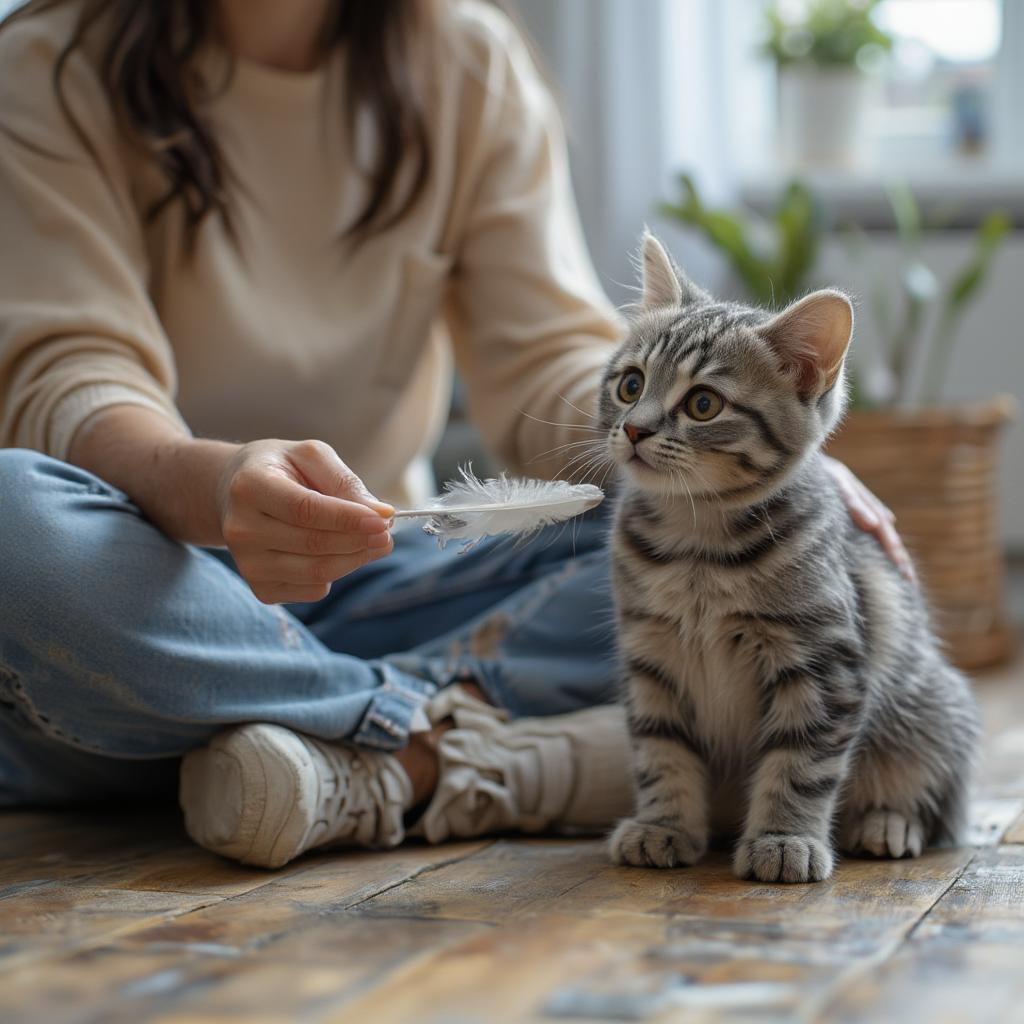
887 834
647 845
774 857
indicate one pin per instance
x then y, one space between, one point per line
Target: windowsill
957 193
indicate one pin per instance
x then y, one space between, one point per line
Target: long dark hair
146 65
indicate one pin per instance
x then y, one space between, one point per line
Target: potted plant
824 51
934 463
773 256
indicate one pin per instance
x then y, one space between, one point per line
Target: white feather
471 508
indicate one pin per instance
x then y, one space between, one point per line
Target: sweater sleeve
531 327
78 331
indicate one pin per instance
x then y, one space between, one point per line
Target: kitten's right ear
664 284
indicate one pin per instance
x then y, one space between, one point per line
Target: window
939 82
946 97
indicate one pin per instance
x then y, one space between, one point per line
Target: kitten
783 684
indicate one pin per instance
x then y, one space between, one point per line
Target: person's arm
531 326
293 515
87 373
171 476
78 331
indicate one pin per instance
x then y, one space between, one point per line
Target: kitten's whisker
595 467
689 494
594 463
677 471
559 449
579 474
608 471
708 489
578 460
564 447
582 412
586 457
552 423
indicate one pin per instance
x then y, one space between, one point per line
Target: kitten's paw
645 844
774 857
887 834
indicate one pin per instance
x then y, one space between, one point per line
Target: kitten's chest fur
712 660
714 669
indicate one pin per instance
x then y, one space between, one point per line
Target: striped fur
783 686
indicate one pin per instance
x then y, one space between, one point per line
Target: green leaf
831 33
906 213
963 290
797 219
770 274
990 236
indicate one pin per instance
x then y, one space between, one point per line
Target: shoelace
494 774
356 802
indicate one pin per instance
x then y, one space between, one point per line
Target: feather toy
471 509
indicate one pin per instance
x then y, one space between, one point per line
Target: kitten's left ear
664 284
812 337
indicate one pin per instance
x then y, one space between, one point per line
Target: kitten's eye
631 386
703 404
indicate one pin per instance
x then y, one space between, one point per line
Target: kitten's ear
812 337
664 284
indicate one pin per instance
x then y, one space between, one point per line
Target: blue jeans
121 649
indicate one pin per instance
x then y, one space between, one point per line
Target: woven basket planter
938 471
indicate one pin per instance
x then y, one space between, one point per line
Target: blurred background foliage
918 317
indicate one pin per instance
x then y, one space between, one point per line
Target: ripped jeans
120 649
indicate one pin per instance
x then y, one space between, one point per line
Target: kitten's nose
636 434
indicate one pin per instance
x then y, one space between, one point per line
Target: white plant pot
823 117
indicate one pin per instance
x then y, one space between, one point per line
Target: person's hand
871 515
295 518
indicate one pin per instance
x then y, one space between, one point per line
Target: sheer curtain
650 88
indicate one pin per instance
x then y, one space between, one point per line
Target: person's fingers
881 511
871 515
858 499
894 548
289 502
282 593
302 570
320 464
862 514
257 531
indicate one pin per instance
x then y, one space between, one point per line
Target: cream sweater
290 334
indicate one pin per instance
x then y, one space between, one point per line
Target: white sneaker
570 772
262 794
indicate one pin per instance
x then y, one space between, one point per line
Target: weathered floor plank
607 941
304 926
331 959
139 849
115 917
962 962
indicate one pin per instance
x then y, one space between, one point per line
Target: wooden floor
117 918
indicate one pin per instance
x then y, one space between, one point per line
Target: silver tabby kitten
783 684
